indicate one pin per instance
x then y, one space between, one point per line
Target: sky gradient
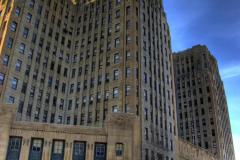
216 24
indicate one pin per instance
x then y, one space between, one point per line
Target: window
14 148
118 13
145 94
114 109
127 90
115 74
106 95
11 100
128 72
115 92
117 27
14 83
22 48
119 149
116 58
100 151
18 11
28 17
58 150
5 60
79 150
9 42
18 65
13 26
118 2
31 3
36 149
25 32
2 77
117 42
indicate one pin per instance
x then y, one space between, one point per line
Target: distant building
202 110
69 67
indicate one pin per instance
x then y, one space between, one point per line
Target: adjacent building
71 68
202 110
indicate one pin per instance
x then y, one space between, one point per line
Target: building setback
202 110
81 66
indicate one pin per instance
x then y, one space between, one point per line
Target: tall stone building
89 79
202 110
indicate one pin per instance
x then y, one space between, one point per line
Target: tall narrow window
22 48
2 77
36 149
25 32
58 150
115 92
119 149
5 60
18 11
79 151
14 83
116 58
29 17
18 65
100 151
13 26
9 43
117 42
14 148
115 74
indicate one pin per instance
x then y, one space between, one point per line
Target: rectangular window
127 90
119 149
11 100
114 109
13 26
79 151
117 42
28 17
14 148
58 150
2 77
25 32
18 11
115 74
100 151
36 149
5 60
18 65
22 48
115 92
14 83
116 58
9 43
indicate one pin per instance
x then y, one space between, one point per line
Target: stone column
6 119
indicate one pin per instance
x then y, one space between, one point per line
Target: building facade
75 64
202 110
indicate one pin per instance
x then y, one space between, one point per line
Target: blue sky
215 23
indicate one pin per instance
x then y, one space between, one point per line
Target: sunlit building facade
74 68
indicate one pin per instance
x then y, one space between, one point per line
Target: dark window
100 151
119 149
36 149
79 150
14 148
58 150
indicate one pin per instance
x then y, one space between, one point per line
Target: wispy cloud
230 72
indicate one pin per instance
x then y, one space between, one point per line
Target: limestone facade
120 129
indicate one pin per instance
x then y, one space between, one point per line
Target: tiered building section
203 117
